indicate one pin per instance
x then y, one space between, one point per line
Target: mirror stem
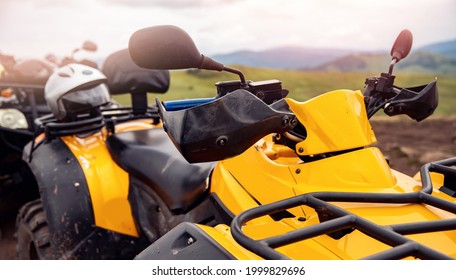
393 62
235 71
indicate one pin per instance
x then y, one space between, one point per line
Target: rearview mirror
402 45
168 47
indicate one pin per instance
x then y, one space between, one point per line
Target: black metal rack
342 220
113 116
109 117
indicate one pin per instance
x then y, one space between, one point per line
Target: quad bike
267 177
21 103
77 55
82 211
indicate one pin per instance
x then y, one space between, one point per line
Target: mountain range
439 58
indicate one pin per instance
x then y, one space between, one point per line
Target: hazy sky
37 27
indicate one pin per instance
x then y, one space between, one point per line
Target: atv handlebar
224 127
416 102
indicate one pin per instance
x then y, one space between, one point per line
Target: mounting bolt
298 171
294 122
302 219
221 141
300 150
260 94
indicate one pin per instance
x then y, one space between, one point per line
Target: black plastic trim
227 215
64 192
185 242
150 156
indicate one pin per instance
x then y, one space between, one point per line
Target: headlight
13 118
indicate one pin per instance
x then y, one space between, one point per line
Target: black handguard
418 102
225 127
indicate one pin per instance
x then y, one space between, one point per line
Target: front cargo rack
109 117
342 220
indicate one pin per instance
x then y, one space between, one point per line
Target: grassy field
302 85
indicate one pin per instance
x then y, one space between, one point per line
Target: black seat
150 156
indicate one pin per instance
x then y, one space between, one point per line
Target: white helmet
74 89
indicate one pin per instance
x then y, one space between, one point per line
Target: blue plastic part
177 105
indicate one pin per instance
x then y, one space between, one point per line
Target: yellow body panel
269 172
234 197
260 177
357 244
136 125
222 235
335 121
363 170
108 183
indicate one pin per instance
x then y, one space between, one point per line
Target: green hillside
417 62
302 85
443 48
430 63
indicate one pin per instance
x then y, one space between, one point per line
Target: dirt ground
7 240
407 144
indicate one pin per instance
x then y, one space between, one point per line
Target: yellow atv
83 210
288 179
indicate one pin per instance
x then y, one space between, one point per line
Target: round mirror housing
167 47
402 45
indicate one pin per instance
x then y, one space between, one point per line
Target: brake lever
377 92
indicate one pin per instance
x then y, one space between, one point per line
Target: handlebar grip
177 105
